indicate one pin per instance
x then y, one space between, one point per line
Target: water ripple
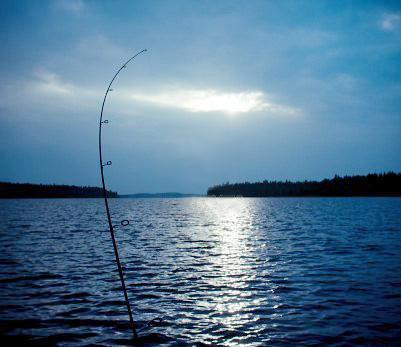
203 271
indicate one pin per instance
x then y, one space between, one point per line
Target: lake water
216 271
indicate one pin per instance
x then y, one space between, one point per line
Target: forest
386 184
30 191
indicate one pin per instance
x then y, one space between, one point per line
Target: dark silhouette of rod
120 271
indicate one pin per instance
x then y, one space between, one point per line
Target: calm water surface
219 272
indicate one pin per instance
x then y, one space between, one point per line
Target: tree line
31 191
386 184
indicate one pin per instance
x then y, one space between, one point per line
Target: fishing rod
123 222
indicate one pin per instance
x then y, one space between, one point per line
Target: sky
227 91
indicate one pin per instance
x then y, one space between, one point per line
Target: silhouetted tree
387 184
27 190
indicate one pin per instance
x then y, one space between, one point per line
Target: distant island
46 191
387 184
158 195
33 191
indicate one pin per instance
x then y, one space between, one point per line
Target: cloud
391 21
47 91
346 82
50 83
99 45
71 5
311 38
210 100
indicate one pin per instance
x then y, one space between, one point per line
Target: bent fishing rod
123 222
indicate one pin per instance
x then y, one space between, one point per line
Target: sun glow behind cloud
192 100
210 100
48 83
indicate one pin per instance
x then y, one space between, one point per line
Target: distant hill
158 195
32 191
387 184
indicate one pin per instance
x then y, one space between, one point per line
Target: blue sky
228 91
